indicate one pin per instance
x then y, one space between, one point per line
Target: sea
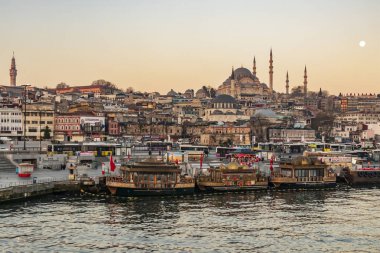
344 220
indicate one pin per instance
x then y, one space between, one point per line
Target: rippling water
327 221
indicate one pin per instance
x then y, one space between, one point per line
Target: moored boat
303 173
233 177
361 176
150 177
25 170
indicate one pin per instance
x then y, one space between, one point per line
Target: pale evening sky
159 45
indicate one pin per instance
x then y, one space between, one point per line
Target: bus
159 145
222 152
97 148
186 147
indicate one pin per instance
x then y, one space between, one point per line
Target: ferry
233 177
361 175
303 173
150 177
25 169
335 160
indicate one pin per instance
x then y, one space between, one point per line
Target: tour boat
25 169
359 175
150 177
303 173
233 177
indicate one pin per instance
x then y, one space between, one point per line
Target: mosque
243 84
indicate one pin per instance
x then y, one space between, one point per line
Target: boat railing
157 185
186 180
309 179
114 179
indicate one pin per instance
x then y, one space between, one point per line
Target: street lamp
25 85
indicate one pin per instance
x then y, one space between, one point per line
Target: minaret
271 72
287 83
305 82
254 66
13 71
233 92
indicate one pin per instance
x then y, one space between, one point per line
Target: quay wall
23 192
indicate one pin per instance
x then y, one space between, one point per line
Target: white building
11 123
360 117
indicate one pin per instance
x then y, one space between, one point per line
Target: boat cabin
303 172
152 174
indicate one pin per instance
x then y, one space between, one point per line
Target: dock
14 192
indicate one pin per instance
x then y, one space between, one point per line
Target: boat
150 177
233 177
25 170
361 175
303 173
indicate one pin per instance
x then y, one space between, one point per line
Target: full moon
362 43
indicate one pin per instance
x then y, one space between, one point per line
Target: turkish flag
201 161
112 164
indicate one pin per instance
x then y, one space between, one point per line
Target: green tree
46 133
62 85
110 86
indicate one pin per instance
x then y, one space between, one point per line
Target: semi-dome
265 113
201 93
233 166
224 99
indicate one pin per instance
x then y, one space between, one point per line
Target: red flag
201 161
112 164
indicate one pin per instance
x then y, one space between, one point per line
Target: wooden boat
232 177
149 178
361 176
303 173
25 169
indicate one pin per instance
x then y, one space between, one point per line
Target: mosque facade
243 84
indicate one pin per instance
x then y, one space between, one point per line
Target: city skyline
159 45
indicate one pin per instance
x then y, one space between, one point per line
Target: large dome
224 99
242 72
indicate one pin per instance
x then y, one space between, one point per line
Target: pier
29 189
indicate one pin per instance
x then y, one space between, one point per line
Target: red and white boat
25 169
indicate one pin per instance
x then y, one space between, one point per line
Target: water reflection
310 221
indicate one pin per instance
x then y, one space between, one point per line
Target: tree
62 85
129 90
101 82
323 124
46 133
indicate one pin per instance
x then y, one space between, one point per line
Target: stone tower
305 82
287 83
271 72
13 71
254 66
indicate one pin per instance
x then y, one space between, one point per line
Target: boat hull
132 192
304 185
363 178
231 188
24 175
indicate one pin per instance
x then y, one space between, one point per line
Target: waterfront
310 221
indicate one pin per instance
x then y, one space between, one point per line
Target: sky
159 45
